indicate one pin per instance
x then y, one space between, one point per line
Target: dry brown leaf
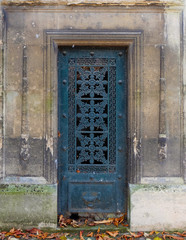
124 224
140 234
125 236
74 223
99 237
34 230
91 224
151 233
12 230
90 234
81 235
44 235
53 235
183 234
107 238
174 237
69 221
103 222
62 221
112 234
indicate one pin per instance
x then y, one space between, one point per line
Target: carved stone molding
132 39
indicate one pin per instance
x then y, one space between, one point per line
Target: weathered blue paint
92 125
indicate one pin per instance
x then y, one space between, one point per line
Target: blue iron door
92 125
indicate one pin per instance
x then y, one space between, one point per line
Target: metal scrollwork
92 112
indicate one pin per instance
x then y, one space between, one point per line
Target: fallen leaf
125 225
62 221
117 221
140 234
74 223
34 230
63 238
112 234
157 238
103 221
90 234
81 235
91 224
99 238
44 235
53 235
183 234
174 237
12 230
126 236
146 234
107 238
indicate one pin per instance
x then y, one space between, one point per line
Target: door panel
92 126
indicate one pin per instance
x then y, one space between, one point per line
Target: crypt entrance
92 129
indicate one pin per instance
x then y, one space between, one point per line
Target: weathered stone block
28 205
157 207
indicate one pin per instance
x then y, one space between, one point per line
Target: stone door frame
131 39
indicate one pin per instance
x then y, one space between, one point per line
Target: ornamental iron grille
91 129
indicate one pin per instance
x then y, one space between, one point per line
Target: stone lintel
94 2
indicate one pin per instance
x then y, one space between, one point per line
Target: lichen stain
136 146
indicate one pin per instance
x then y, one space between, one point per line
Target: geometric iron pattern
92 115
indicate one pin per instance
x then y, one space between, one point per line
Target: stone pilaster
1 90
184 87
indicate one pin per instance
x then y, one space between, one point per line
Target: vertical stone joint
162 138
24 152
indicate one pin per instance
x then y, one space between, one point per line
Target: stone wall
31 32
27 103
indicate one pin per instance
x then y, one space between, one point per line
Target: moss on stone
154 187
26 189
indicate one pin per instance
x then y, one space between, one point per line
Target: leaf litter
35 233
64 222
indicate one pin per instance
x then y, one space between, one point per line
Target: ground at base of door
35 234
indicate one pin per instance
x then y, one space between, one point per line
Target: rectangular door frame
134 41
